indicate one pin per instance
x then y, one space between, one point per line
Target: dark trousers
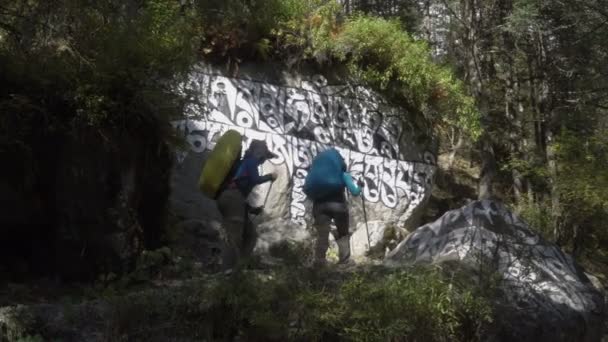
239 233
323 214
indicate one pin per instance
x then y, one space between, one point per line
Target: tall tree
538 73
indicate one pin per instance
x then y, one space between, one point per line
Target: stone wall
542 294
299 116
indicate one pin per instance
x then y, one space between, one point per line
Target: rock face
298 116
545 294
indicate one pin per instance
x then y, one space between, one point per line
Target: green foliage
413 305
382 54
102 67
537 68
523 18
581 182
232 30
376 51
529 167
30 338
300 304
19 324
538 215
582 187
292 253
110 65
406 305
152 267
149 264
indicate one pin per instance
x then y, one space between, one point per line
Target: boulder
544 294
299 115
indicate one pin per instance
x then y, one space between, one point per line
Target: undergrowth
375 51
300 304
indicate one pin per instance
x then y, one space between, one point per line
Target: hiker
232 201
325 185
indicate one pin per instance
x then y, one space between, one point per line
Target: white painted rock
299 117
546 295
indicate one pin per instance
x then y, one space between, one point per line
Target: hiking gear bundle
325 175
226 152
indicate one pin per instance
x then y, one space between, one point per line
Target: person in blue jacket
232 202
333 206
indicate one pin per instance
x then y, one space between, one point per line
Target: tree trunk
578 239
488 170
556 209
454 151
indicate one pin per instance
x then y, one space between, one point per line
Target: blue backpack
325 175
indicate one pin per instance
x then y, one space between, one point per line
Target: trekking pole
268 193
266 197
369 244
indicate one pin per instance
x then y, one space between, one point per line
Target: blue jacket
247 175
350 184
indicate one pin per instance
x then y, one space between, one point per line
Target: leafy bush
307 305
582 206
292 253
381 53
376 51
232 30
581 185
101 66
104 65
537 215
413 305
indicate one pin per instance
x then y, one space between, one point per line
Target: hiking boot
343 249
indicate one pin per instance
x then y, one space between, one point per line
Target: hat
259 150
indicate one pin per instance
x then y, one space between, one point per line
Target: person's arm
254 175
350 184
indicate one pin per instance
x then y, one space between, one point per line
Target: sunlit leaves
381 53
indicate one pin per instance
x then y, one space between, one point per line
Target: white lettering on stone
298 123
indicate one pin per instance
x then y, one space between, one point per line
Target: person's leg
231 205
321 224
338 211
249 237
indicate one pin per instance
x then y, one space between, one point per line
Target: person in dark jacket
232 202
334 207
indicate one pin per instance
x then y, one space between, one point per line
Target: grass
288 303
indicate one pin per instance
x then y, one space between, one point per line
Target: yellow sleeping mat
220 161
